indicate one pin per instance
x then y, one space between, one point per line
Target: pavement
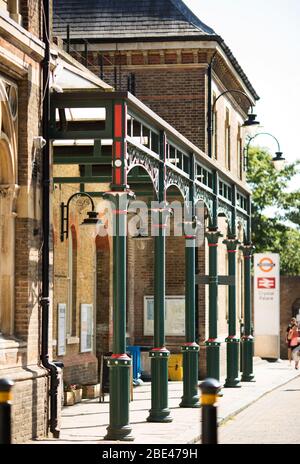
86 422
273 419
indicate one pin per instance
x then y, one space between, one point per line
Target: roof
127 20
68 73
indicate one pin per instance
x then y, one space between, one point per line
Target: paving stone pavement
273 419
87 421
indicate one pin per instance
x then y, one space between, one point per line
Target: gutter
45 299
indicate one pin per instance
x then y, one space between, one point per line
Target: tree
275 210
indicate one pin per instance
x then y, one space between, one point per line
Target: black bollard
209 389
5 411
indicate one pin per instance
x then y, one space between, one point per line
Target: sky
264 36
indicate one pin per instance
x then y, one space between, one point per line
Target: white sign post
267 305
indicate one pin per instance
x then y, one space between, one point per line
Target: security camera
56 88
39 142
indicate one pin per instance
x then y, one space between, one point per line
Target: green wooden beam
104 160
81 180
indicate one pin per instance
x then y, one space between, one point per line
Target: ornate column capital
231 244
213 236
247 250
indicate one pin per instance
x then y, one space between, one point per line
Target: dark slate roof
127 20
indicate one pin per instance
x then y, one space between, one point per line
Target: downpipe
45 298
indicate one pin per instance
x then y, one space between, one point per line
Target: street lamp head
91 220
278 161
251 120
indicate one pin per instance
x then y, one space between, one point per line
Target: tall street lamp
278 160
247 249
213 235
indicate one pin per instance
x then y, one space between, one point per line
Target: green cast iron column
159 355
119 363
247 341
212 344
232 341
190 349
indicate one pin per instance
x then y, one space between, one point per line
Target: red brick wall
289 293
31 12
103 296
176 93
20 356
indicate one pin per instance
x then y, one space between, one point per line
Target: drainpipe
45 299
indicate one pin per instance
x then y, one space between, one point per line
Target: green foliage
269 190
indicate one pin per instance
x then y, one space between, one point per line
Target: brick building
22 52
178 67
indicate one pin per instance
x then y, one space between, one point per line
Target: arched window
72 283
8 195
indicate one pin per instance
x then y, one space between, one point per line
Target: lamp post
92 218
213 235
278 160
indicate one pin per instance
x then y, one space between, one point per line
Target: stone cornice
21 39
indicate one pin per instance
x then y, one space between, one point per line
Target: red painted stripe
118 150
122 357
160 226
190 344
162 349
231 251
119 211
118 120
213 244
118 176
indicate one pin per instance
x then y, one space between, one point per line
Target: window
239 151
227 140
72 283
8 196
7 257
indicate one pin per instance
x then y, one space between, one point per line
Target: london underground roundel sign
266 264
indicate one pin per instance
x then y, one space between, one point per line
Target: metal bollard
5 411
209 389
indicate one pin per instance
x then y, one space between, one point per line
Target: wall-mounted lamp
92 218
251 118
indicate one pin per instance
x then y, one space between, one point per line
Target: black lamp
278 161
91 219
251 121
